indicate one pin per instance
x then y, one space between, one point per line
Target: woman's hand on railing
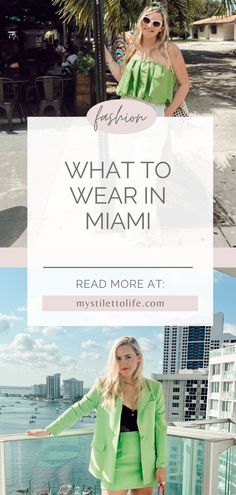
38 433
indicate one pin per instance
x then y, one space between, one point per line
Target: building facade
221 401
53 386
216 28
72 389
188 347
40 390
185 394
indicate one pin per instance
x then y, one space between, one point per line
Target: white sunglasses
156 24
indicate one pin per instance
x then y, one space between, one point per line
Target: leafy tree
211 8
225 7
120 15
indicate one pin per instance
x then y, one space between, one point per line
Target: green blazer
151 424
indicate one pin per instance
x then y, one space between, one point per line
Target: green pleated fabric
147 80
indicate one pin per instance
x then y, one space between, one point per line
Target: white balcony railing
29 465
228 396
229 375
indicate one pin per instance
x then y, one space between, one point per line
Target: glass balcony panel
227 472
46 466
59 466
229 375
39 464
186 466
228 395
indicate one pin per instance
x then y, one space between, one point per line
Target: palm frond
226 7
79 10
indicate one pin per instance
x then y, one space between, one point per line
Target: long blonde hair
112 386
162 37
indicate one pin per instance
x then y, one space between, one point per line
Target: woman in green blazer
129 447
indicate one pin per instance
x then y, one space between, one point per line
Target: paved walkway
212 69
13 187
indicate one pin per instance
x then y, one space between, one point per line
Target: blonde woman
153 67
129 444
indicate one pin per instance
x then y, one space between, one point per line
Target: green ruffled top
147 80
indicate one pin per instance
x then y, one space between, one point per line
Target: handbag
161 490
181 111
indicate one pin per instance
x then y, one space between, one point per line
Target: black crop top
128 421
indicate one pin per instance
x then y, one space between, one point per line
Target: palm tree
226 7
120 14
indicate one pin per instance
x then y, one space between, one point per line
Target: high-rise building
53 386
188 347
221 401
72 389
185 394
40 390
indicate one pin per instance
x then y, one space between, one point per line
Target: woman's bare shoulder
173 49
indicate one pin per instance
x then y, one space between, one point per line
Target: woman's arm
179 68
115 69
160 430
72 414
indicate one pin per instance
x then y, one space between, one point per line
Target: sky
29 354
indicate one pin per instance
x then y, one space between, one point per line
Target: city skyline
28 354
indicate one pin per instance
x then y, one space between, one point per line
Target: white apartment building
53 386
72 389
40 390
221 402
185 394
188 347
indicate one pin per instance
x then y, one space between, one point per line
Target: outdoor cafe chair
8 98
49 90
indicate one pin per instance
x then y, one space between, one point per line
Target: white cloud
4 317
230 328
69 361
22 342
89 355
146 344
30 352
21 309
4 326
48 331
34 329
110 330
108 344
53 331
90 344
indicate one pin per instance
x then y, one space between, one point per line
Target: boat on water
87 490
65 490
41 491
37 491
32 421
77 490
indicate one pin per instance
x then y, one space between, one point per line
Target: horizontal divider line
118 267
